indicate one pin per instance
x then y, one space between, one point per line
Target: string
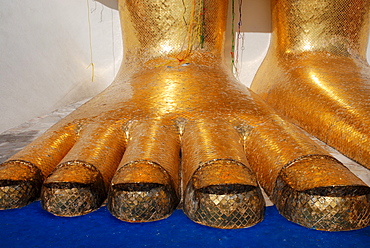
91 49
196 29
101 13
190 34
235 52
190 31
232 34
95 7
183 14
240 36
113 46
202 24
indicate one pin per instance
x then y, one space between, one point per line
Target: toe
73 189
142 191
21 175
320 193
145 186
79 184
224 194
220 189
20 184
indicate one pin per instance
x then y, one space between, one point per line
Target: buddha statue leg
316 72
175 128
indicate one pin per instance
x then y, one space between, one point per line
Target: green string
202 27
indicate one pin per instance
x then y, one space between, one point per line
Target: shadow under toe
142 192
20 184
74 189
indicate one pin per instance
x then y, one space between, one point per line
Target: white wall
45 50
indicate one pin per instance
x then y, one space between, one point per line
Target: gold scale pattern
176 129
316 74
316 71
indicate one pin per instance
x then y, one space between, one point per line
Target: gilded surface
316 71
316 74
176 127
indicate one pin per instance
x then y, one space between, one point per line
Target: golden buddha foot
176 129
316 72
